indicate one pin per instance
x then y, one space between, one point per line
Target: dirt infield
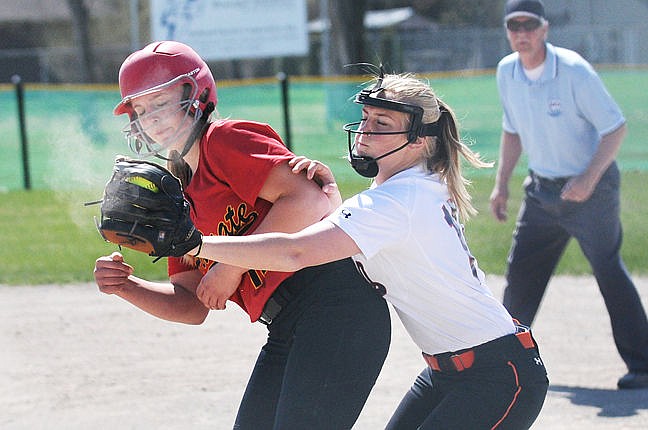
73 358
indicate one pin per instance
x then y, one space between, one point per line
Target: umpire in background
557 110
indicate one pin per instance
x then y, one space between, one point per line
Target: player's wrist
195 253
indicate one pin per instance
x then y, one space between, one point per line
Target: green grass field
48 235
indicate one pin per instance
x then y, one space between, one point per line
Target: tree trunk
80 18
347 45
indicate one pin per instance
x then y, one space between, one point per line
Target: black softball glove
143 208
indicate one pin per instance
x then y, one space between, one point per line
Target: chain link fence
419 49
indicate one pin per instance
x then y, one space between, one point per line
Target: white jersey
413 245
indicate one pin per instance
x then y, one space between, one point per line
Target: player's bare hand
218 285
577 189
316 171
321 174
498 205
111 273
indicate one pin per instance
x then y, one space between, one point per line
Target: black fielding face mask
364 166
368 166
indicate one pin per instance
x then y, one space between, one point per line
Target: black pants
505 388
324 352
544 226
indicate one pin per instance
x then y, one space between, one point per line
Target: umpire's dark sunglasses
526 25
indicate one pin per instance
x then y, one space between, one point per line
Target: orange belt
464 360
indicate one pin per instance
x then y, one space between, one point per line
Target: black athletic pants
324 352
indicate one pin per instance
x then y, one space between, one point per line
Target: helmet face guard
368 166
139 138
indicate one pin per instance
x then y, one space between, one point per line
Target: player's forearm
164 300
267 251
288 214
320 243
292 213
297 202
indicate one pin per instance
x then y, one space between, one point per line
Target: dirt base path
73 358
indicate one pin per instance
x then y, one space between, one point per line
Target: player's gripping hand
111 273
321 174
218 285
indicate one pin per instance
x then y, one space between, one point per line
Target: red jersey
235 160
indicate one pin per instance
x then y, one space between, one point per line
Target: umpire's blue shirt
560 117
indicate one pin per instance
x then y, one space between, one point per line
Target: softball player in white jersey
483 370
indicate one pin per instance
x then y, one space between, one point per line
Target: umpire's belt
464 359
551 182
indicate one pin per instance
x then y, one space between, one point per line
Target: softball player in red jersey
483 370
322 356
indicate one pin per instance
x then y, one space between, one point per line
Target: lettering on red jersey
236 222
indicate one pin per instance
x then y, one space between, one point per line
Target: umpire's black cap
530 8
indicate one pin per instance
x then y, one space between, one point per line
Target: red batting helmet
159 65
